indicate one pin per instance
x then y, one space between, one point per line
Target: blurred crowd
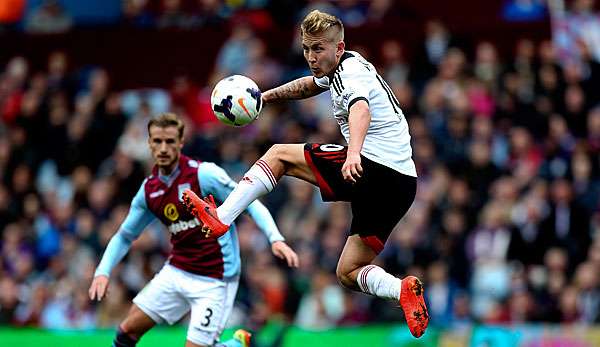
53 16
505 227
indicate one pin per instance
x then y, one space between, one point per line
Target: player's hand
282 251
99 288
352 170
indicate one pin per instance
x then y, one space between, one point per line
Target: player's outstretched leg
356 272
282 159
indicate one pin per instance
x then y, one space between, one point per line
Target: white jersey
387 141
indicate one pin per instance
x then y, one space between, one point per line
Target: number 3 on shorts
209 313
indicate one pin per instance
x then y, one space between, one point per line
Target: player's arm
358 123
137 219
301 88
214 180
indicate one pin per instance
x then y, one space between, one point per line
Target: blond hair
317 22
167 119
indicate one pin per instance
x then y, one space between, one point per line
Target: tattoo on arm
300 88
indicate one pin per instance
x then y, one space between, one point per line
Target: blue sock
123 340
229 343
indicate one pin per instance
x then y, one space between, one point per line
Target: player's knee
280 154
278 151
125 337
345 278
290 155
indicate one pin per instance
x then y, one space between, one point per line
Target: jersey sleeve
352 83
214 180
137 219
265 222
139 215
322 82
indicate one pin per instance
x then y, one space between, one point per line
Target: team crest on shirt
171 212
181 188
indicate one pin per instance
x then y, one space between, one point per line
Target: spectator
441 294
566 224
134 138
49 18
136 14
233 56
395 68
8 300
323 306
352 12
435 46
260 68
173 16
593 130
571 28
487 66
210 13
586 279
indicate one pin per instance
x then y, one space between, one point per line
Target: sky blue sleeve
137 219
214 180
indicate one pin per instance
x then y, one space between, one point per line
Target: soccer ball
236 100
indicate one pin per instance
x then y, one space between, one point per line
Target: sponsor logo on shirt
183 225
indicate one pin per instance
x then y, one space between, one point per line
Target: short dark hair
167 119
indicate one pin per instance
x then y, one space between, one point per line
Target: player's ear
340 48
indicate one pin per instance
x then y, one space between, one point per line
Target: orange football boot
206 211
243 337
413 305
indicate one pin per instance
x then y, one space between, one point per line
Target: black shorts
379 199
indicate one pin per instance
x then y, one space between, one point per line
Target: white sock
258 181
375 281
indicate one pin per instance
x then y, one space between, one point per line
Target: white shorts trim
148 311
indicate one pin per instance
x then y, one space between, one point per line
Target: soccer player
375 172
201 273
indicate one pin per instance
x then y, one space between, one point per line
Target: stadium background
502 100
